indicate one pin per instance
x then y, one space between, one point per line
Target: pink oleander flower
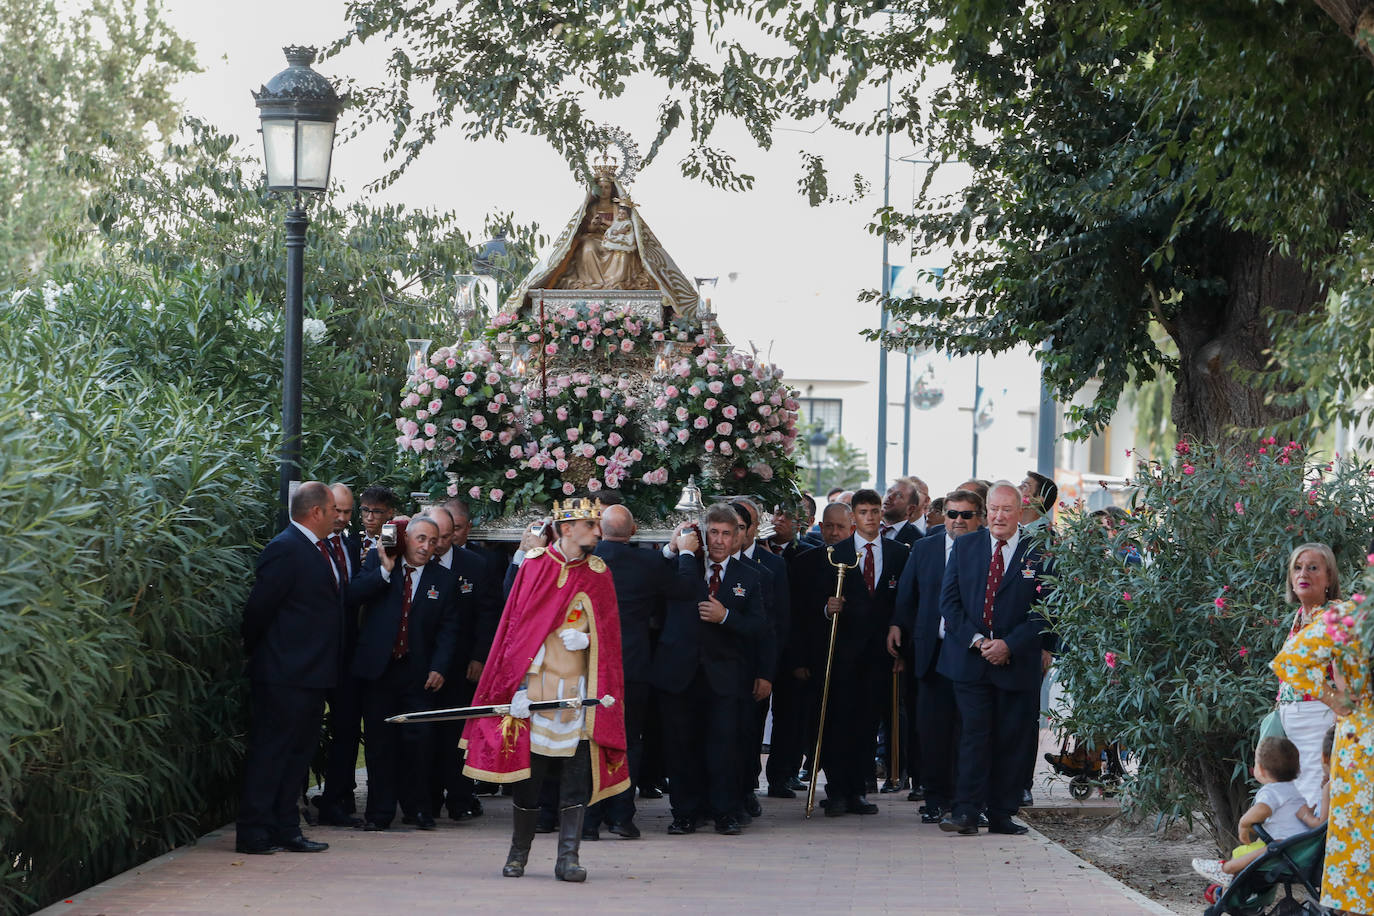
1220 602
1110 659
1125 596
1242 651
1189 469
1357 597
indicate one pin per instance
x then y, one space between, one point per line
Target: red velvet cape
498 748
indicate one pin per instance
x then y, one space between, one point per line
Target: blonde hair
1333 578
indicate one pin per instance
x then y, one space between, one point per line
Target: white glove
574 640
520 704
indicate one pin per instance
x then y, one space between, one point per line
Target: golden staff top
840 570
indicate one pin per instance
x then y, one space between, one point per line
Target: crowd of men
720 629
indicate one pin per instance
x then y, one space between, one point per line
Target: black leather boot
569 840
522 835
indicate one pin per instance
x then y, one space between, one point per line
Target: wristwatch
978 641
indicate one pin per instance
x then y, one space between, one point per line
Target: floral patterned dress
1348 877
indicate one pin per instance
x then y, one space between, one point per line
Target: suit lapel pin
739 591
465 586
432 593
1027 572
892 582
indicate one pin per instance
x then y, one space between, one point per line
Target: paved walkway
889 862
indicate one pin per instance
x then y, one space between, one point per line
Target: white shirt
921 526
446 560
414 576
859 544
1284 800
891 531
315 540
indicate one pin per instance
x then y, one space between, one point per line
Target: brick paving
889 862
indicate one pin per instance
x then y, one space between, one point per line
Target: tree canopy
1195 167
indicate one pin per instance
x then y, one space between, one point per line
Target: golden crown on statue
571 510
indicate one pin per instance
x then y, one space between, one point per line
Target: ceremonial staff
478 712
840 570
894 773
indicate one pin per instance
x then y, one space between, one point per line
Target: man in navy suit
293 631
406 639
898 504
861 668
335 802
992 653
918 627
767 650
700 667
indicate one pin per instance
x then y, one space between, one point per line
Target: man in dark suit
918 628
861 668
335 802
701 665
901 498
767 650
992 653
644 581
407 634
477 602
293 625
495 566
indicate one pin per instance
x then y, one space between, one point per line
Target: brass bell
690 500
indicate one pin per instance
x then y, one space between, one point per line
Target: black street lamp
818 441
299 109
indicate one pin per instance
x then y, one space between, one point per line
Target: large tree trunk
1221 337
1356 19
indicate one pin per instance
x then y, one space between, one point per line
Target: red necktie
336 548
324 551
868 568
886 530
714 585
995 570
403 634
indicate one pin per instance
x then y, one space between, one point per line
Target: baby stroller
1296 860
1084 767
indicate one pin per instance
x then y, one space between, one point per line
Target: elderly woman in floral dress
1313 582
1330 659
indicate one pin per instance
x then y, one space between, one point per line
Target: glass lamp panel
279 152
313 154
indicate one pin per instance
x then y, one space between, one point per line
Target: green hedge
138 438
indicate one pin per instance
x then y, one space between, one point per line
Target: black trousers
937 719
345 730
574 775
282 737
998 736
398 756
447 784
701 742
619 809
753 716
785 746
851 727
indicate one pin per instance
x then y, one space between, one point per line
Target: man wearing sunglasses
917 625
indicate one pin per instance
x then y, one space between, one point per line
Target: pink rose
479 421
497 495
712 369
716 387
450 363
561 465
737 380
725 448
441 382
421 414
682 436
681 414
614 439
475 492
568 489
699 423
621 419
550 349
593 485
461 391
470 378
431 430
724 429
487 435
627 345
710 445
730 412
598 415
711 403
756 397
459 424
671 391
572 434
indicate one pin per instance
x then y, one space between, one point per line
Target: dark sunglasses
960 513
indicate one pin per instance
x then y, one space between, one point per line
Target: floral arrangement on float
589 396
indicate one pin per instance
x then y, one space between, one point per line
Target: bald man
644 581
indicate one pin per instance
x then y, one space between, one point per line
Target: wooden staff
840 570
894 778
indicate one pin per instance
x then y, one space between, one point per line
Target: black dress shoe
728 826
301 844
983 819
591 832
781 792
834 807
627 830
917 793
804 776
461 810
256 849
744 818
964 826
796 785
681 826
331 816
860 806
374 826
425 822
1027 799
752 806
1008 827
931 814
649 792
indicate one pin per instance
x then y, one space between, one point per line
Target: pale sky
800 269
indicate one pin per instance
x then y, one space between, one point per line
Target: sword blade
479 712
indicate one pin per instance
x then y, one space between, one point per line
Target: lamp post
299 109
818 441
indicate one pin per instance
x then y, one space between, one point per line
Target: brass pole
840 570
894 774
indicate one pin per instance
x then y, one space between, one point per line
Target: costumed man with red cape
558 638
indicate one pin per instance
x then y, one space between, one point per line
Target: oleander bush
1170 656
139 429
